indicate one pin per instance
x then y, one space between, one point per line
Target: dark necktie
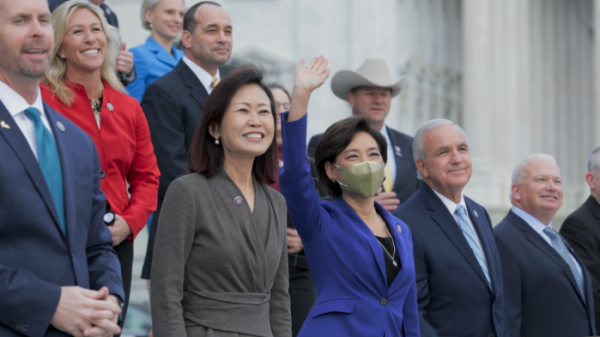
49 163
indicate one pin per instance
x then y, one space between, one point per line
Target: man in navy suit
369 91
173 103
59 275
548 289
459 274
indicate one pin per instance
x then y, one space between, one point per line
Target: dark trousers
303 295
125 253
147 268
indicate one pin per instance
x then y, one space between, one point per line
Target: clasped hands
84 312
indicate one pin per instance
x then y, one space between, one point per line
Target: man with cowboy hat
369 91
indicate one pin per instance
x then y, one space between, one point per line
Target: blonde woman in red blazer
81 84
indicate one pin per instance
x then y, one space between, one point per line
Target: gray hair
594 161
417 145
519 173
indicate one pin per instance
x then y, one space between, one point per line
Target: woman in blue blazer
158 56
361 256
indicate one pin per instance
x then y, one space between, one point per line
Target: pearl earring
217 141
150 25
62 56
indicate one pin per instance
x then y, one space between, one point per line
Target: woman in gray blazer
220 256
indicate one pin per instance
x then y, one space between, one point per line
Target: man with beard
59 275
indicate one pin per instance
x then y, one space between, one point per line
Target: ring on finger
308 67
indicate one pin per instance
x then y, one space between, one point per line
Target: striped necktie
561 249
470 236
214 82
49 163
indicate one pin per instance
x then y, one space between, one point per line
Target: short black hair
336 139
189 21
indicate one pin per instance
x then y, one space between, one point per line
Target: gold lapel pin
4 125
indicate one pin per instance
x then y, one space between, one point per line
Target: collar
385 134
15 103
532 221
450 205
203 75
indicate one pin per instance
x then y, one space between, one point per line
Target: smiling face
281 99
363 147
247 128
372 102
540 192
167 18
210 44
84 44
26 39
447 165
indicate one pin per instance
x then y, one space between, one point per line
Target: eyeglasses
286 106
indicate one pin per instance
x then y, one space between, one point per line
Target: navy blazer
151 62
542 298
36 258
345 258
109 15
453 294
406 182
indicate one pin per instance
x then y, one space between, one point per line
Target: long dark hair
205 157
336 139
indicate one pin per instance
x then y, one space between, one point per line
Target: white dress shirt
16 105
539 227
451 208
203 75
391 157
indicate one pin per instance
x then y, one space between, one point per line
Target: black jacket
582 231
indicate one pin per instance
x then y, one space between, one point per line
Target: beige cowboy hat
372 73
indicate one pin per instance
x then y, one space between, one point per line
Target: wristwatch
109 218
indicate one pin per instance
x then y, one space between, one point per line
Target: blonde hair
147 5
57 72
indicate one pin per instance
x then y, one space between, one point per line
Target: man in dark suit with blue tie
59 275
459 275
369 91
548 289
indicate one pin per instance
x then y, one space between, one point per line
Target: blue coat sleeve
138 86
410 309
103 264
296 183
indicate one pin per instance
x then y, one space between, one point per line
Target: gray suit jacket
219 269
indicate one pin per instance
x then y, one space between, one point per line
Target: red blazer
125 150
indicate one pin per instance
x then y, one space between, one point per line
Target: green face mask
363 178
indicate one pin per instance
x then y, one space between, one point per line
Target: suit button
383 301
7 320
102 174
25 327
19 326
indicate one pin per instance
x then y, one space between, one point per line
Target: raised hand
308 78
312 75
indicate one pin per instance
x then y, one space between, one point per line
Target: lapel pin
109 106
398 151
4 125
476 215
399 229
60 126
238 201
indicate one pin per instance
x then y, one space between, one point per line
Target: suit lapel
15 138
366 232
161 54
542 245
447 223
66 163
593 206
197 90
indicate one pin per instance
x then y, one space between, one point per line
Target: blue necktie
470 236
49 163
561 249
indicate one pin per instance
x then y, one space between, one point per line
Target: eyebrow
214 25
248 104
355 150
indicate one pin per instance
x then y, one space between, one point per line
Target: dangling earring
62 56
217 141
